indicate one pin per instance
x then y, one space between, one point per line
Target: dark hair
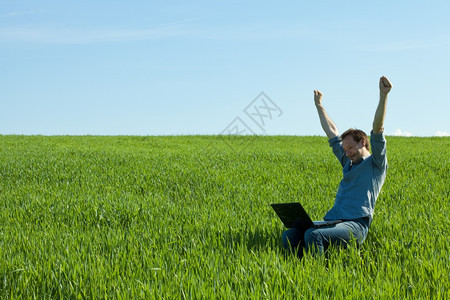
357 135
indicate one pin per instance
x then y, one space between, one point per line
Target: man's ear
363 143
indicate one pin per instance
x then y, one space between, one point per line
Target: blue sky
179 67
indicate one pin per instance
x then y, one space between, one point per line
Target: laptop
293 215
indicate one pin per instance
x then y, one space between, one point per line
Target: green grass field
189 217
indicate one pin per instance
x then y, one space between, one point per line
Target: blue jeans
317 240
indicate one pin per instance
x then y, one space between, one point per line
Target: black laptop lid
293 215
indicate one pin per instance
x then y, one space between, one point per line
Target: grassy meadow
173 217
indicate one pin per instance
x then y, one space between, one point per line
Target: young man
363 177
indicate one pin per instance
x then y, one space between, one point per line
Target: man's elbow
377 129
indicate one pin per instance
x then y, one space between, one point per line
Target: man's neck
357 162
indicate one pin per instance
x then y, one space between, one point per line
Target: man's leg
317 240
292 239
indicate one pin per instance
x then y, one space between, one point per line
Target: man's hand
385 85
318 97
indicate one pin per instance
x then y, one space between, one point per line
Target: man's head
356 144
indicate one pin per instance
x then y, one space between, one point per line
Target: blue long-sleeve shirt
361 183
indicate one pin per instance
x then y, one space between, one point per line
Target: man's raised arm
327 124
378 121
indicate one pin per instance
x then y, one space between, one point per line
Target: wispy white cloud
21 13
441 133
69 35
84 36
399 132
187 28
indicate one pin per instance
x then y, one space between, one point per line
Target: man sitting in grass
363 177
